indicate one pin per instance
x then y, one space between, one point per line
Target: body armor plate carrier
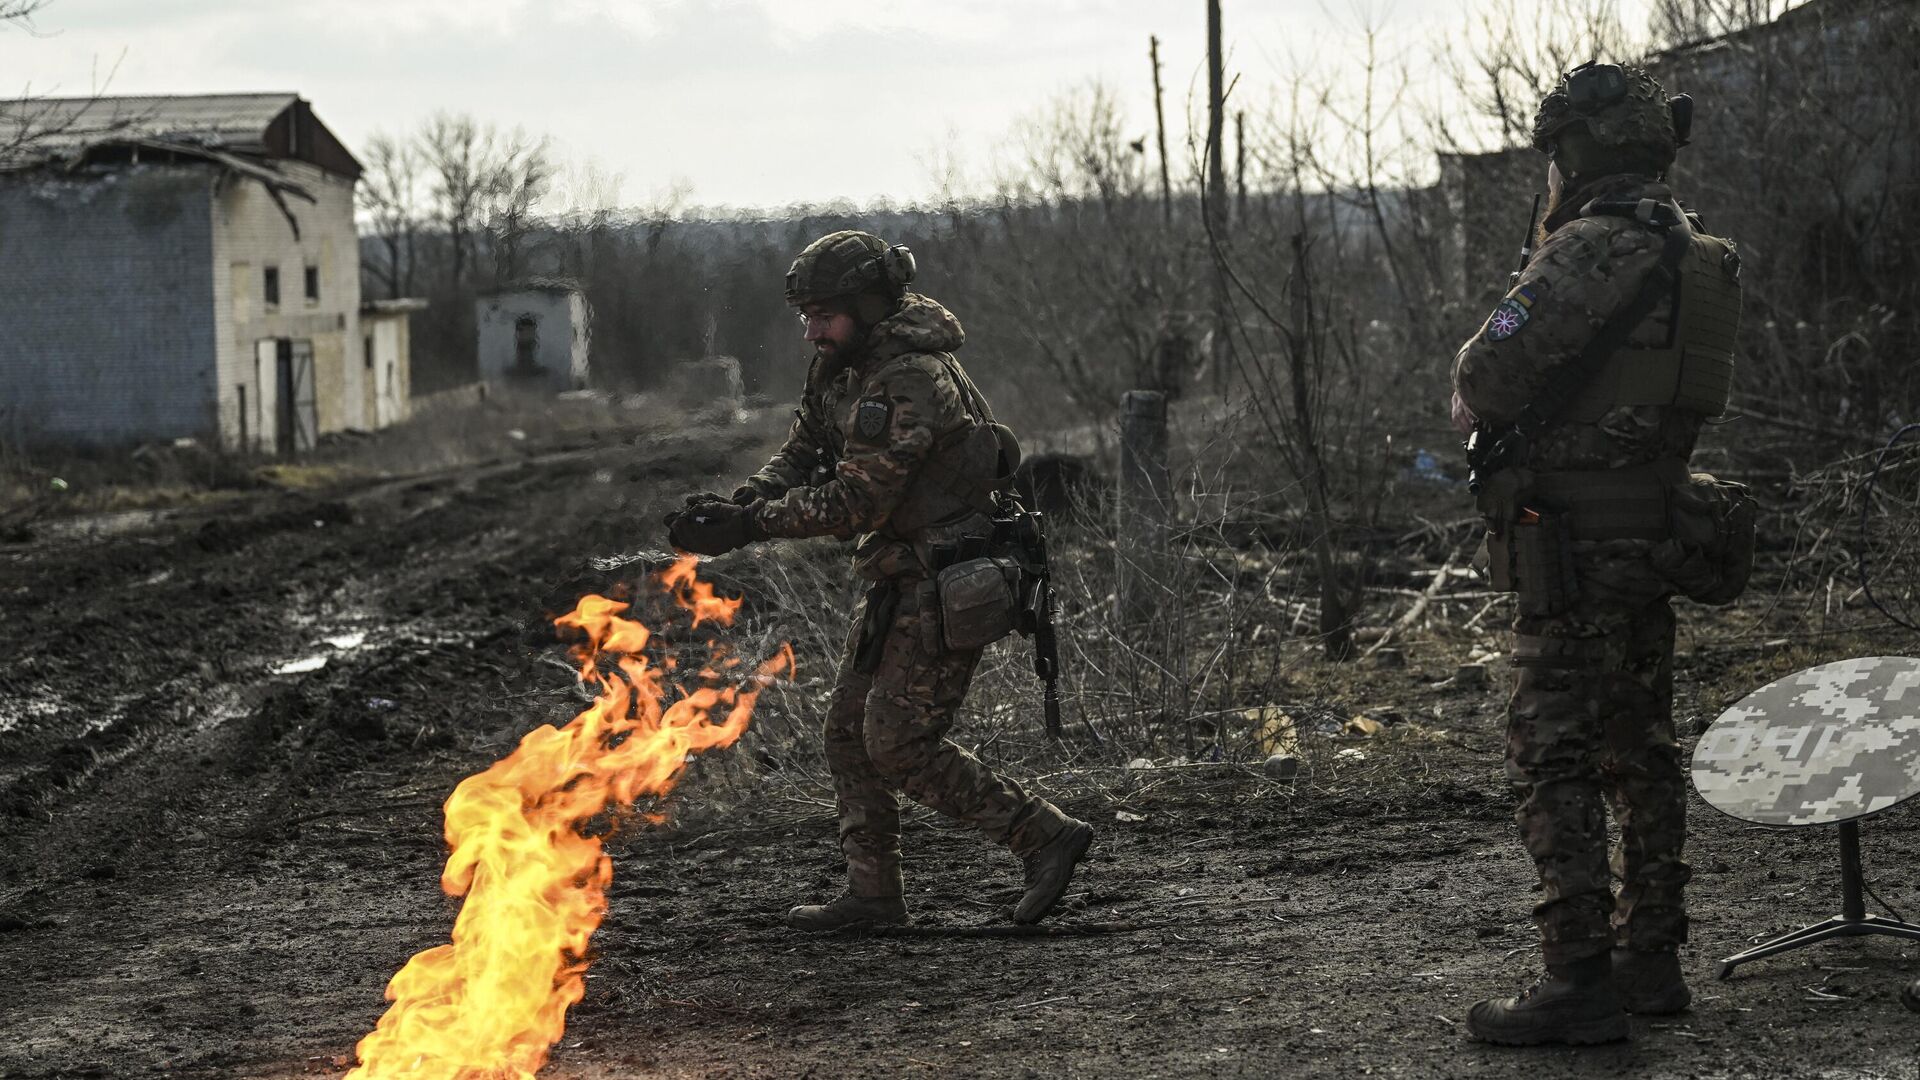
1694 369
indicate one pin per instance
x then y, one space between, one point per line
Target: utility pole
1240 165
1216 122
1220 355
1160 132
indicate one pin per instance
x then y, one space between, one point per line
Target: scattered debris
1282 767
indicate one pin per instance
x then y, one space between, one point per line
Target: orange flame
490 1004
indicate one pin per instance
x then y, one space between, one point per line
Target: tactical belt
1573 654
1612 504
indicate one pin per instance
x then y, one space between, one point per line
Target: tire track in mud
126 646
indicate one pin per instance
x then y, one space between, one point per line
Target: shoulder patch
871 419
1513 312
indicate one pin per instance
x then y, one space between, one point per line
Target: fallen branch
1419 606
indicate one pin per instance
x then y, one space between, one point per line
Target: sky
743 103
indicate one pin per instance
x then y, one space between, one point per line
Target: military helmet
1623 110
848 263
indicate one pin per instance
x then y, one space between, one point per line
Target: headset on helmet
847 263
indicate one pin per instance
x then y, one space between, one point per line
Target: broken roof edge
272 126
397 306
536 284
252 170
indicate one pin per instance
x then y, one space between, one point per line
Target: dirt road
217 848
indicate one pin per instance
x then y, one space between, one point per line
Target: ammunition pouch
1533 558
977 601
1709 555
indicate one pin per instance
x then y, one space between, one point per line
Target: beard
835 357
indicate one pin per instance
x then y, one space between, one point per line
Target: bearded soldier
1586 389
892 444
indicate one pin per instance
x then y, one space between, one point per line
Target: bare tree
459 153
389 193
1091 264
520 177
1513 51
20 11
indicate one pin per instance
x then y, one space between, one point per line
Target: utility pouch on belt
1540 554
883 600
1709 555
977 602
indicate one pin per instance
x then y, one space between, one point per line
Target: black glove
714 528
697 499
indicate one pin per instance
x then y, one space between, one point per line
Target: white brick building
184 267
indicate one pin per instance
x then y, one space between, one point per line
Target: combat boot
1649 982
849 910
1573 1004
1050 868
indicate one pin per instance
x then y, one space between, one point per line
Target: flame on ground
491 1004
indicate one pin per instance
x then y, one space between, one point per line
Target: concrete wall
107 328
386 347
251 233
560 341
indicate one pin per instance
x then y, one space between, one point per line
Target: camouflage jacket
1587 268
863 434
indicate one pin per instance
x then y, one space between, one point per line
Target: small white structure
534 335
386 358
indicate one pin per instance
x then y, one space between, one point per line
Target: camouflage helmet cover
847 263
1620 106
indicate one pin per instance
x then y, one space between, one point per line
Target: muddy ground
210 869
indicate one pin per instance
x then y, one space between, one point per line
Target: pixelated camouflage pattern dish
1827 744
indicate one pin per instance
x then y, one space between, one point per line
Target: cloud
762 102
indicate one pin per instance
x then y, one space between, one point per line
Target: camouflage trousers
886 733
1590 724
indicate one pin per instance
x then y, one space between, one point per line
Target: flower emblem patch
1512 314
1506 320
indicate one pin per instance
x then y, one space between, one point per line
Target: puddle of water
347 641
302 665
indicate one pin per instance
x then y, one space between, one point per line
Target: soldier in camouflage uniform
1579 528
892 444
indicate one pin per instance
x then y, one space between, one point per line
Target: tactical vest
1694 369
963 470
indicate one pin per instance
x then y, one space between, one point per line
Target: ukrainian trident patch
1512 314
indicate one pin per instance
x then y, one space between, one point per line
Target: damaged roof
36 132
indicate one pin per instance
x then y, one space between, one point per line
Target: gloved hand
697 499
714 528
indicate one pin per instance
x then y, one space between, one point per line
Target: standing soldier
894 444
1585 391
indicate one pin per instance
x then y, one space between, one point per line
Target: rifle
1028 538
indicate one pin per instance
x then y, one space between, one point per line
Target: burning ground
225 741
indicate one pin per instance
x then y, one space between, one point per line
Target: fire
490 1004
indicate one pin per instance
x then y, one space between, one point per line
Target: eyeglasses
820 317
